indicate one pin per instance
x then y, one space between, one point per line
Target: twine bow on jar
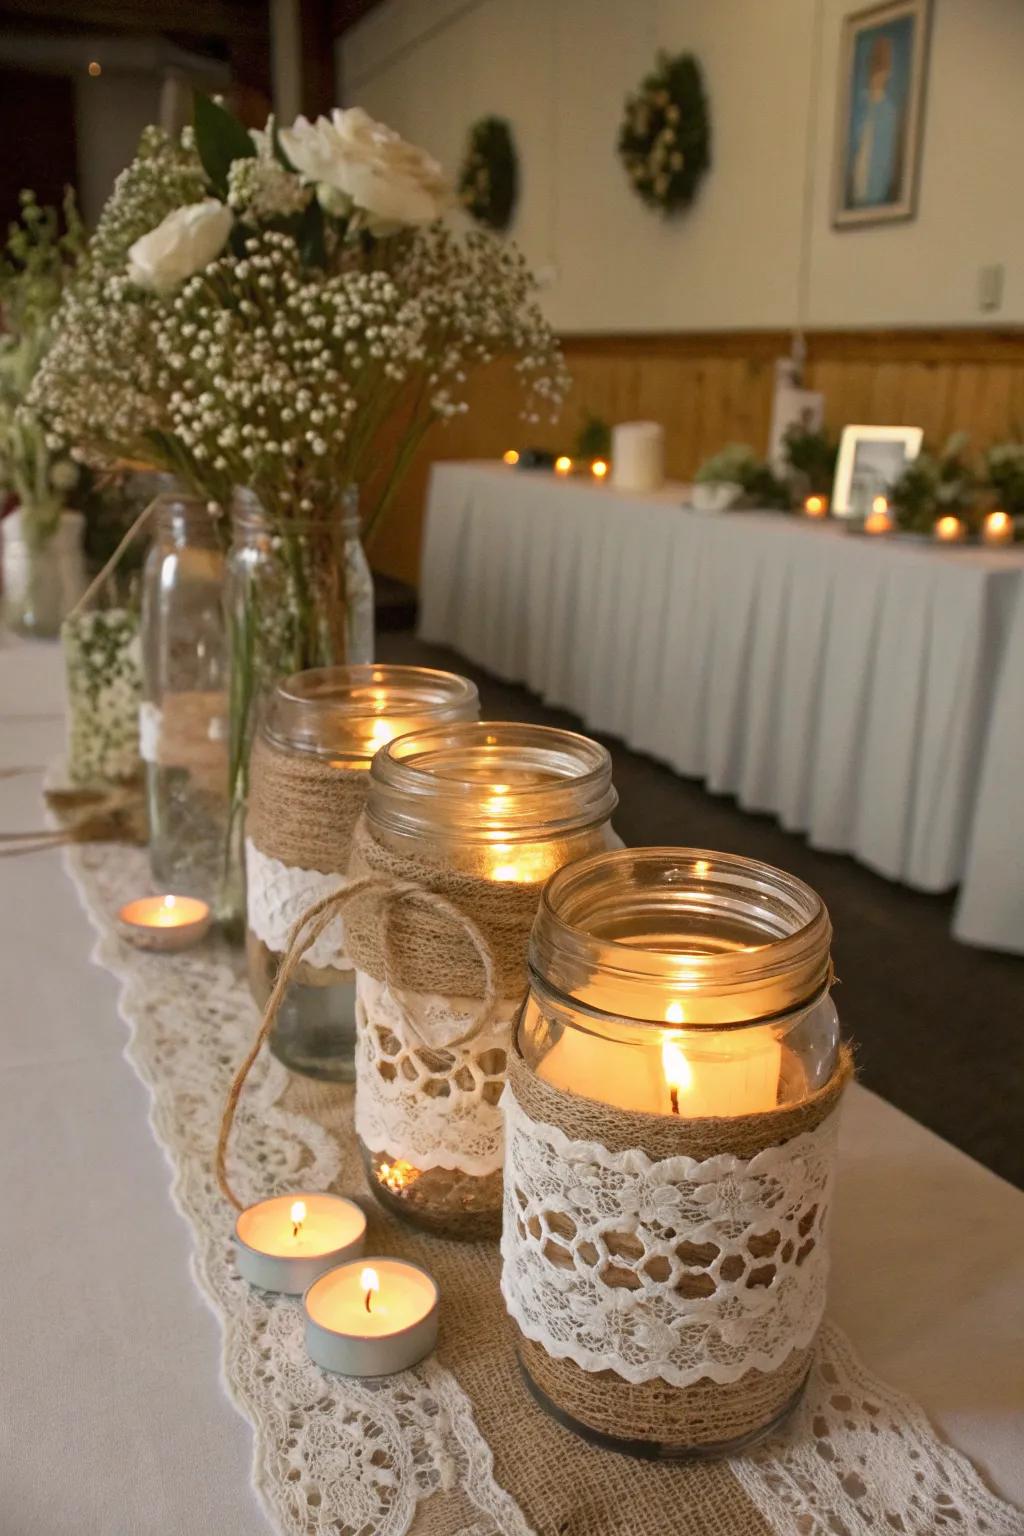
388 893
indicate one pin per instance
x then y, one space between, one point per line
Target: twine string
387 892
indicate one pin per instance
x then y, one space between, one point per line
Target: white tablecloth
112 1415
845 684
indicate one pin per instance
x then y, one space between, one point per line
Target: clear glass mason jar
685 988
43 577
308 780
183 717
299 594
504 805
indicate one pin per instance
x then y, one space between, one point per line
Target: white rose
392 183
183 243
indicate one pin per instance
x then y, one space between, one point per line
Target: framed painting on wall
881 99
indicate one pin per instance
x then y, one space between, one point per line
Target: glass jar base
653 1450
441 1201
315 1030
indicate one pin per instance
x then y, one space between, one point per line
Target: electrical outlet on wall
990 286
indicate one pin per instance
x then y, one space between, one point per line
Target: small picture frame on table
871 460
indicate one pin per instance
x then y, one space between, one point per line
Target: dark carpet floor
939 1026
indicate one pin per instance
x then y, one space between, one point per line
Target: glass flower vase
43 575
298 594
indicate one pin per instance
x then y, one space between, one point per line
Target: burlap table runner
564 1486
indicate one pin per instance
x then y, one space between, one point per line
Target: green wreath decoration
665 138
489 179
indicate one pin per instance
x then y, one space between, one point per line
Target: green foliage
594 440
1004 476
737 464
665 137
811 455
935 484
489 179
220 140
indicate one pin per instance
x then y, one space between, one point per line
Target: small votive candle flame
164 922
510 457
284 1244
949 529
599 469
879 519
370 1281
563 464
816 506
298 1215
997 528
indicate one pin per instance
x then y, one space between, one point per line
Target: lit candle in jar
599 469
371 1319
563 464
816 506
164 922
286 1242
950 529
879 519
510 457
997 528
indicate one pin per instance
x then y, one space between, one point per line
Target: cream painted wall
757 249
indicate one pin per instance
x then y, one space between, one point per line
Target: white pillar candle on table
372 1317
164 922
638 456
287 1242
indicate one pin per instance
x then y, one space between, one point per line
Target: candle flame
298 1215
815 506
370 1282
880 504
397 1176
599 469
381 733
997 522
563 464
510 456
677 1070
947 527
170 902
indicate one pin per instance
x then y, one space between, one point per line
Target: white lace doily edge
722 1374
378 1142
669 1169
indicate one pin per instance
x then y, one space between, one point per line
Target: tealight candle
371 1318
164 922
599 469
997 528
879 519
563 464
510 457
950 529
287 1242
816 506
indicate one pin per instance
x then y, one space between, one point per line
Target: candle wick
674 1096
295 1228
369 1294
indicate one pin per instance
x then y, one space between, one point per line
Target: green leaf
220 139
311 244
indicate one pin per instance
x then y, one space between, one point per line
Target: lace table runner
456 1447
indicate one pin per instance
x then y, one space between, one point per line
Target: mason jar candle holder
670 1148
476 816
308 779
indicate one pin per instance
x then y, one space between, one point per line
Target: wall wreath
665 138
489 179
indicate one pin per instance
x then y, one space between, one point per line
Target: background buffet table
868 692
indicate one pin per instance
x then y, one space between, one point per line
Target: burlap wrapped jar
309 772
478 816
670 1149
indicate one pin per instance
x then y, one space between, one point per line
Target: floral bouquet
263 311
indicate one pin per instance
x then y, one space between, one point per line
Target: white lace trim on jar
678 1269
277 895
432 1106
